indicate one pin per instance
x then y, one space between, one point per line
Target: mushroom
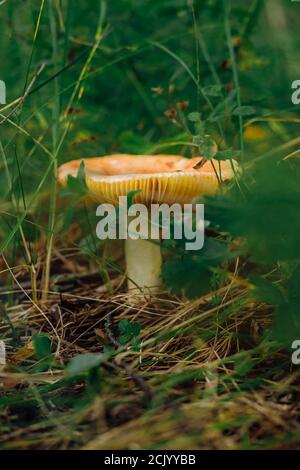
160 179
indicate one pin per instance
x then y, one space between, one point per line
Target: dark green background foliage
156 64
144 47
263 212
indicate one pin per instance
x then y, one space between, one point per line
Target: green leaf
84 363
266 290
42 346
186 275
261 211
286 325
76 185
207 146
94 382
129 331
191 272
194 117
214 251
136 344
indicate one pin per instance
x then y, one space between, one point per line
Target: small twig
200 164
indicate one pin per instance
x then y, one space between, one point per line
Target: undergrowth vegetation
206 364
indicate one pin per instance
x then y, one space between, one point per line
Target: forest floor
90 370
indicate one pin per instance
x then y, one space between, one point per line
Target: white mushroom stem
143 264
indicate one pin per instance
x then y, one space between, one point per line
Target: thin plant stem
227 8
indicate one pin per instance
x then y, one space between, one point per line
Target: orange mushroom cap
160 178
